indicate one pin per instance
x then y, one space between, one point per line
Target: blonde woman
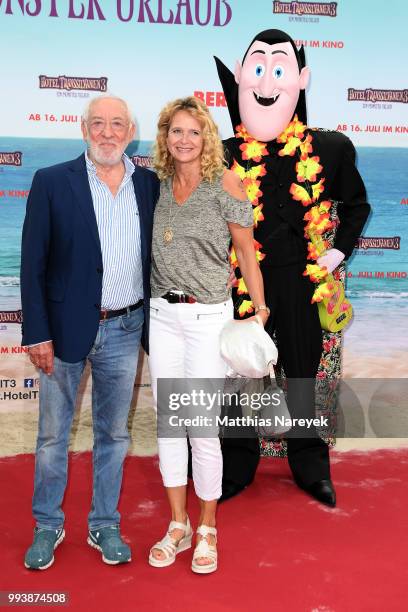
202 207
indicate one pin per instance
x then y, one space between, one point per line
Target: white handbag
247 349
251 353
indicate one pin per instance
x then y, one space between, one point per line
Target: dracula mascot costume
293 175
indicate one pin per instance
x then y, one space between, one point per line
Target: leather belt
174 297
109 314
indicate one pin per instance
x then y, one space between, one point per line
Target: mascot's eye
278 72
259 70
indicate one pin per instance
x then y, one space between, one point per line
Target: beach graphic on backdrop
377 283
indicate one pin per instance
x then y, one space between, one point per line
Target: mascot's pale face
269 84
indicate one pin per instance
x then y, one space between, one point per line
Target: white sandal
204 549
171 547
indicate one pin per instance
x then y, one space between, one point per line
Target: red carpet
279 550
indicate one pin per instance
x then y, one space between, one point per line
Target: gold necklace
168 232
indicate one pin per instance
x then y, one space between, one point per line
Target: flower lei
307 190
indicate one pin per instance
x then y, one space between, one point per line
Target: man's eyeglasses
97 126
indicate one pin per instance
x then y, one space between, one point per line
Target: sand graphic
18 419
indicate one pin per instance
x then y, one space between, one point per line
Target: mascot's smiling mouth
266 101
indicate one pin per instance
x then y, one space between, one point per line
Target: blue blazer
61 258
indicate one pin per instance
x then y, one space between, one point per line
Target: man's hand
42 356
331 259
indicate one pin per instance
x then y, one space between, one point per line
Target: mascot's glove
331 259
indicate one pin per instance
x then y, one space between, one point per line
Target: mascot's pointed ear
230 89
302 56
237 72
304 77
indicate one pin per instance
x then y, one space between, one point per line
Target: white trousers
184 343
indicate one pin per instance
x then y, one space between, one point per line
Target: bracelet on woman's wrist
263 307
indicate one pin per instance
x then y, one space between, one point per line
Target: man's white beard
103 158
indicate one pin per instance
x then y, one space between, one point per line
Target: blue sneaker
109 542
40 555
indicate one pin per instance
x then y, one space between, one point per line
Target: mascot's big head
268 87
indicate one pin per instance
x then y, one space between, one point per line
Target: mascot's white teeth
266 101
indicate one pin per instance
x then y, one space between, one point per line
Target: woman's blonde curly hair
212 157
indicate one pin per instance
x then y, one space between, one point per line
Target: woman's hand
263 316
260 318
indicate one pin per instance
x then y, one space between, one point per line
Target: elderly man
85 288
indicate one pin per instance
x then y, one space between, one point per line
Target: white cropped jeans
184 343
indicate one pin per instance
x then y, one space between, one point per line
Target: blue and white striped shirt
118 223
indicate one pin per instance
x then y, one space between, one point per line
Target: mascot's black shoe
230 489
322 490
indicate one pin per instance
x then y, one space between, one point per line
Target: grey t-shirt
196 259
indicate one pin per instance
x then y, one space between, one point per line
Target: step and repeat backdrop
57 54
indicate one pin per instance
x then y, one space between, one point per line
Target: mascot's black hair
230 88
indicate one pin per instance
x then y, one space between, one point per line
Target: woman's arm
243 241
